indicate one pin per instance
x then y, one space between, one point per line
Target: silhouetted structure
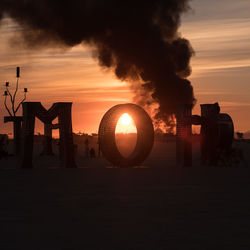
3 143
183 135
209 133
17 126
16 120
145 135
99 148
61 110
47 143
217 132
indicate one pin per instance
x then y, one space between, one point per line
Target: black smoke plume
138 40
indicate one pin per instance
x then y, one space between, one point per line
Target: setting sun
126 119
125 124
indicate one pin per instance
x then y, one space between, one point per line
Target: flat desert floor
154 206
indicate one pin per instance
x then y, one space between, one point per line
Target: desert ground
155 206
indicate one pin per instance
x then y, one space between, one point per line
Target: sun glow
125 124
126 119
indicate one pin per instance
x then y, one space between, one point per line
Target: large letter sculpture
145 135
63 112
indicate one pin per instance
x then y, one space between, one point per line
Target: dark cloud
138 40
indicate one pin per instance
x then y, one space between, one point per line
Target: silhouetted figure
92 153
239 135
86 142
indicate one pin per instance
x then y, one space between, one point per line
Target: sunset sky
219 32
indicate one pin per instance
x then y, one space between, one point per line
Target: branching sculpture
14 108
12 111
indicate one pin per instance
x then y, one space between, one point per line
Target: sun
125 124
126 119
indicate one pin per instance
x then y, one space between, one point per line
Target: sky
219 32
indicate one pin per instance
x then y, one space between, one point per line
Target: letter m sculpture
62 110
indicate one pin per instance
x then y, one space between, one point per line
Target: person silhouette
86 142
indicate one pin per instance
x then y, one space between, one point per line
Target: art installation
13 109
145 135
62 110
217 132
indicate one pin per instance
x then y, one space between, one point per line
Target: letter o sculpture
145 135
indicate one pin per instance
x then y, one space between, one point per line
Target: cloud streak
220 44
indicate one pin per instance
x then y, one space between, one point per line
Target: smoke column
138 40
